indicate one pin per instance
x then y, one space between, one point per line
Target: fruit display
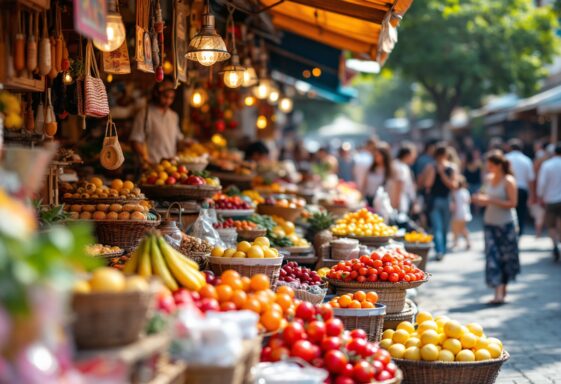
320 339
362 223
285 228
440 339
155 257
357 300
240 225
171 173
231 292
193 158
260 248
225 202
110 280
389 266
94 188
291 272
255 196
102 250
129 211
285 201
418 237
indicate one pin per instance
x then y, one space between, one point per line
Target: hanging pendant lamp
207 47
114 30
234 72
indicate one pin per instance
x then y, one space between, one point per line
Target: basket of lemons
365 226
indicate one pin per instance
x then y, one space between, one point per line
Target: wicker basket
305 295
289 214
179 192
392 295
336 210
371 241
369 320
430 372
104 320
247 267
251 234
391 321
420 249
126 234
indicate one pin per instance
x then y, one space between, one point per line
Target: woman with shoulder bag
501 239
440 180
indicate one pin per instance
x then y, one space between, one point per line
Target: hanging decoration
143 53
158 44
179 37
233 73
90 19
114 30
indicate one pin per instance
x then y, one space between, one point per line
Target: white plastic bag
203 228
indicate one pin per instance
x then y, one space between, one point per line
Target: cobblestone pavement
529 324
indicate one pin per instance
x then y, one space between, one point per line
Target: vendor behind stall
155 134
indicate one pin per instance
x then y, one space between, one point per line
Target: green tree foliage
462 50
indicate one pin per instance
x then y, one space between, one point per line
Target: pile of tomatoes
391 266
320 339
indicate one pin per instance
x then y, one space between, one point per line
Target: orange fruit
284 300
96 181
259 282
246 281
366 304
372 297
209 292
239 297
345 300
355 304
252 304
117 184
359 295
232 278
276 307
271 320
335 305
286 289
224 292
227 306
128 185
264 301
230 273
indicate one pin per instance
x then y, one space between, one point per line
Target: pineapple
320 223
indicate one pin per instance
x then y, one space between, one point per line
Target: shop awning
352 25
542 103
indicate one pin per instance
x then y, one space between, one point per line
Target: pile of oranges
235 292
357 300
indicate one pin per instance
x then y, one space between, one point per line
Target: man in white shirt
523 170
549 194
401 187
155 133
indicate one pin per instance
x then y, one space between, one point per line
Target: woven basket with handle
369 320
430 372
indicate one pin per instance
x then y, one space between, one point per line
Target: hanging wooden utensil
19 46
31 46
45 58
50 126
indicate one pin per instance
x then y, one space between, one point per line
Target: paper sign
90 19
117 62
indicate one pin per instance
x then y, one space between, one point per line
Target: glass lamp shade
286 104
207 47
233 73
198 98
115 31
249 76
262 122
263 89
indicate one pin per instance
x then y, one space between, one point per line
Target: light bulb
115 32
316 72
67 79
233 76
109 78
262 122
206 58
249 77
286 105
249 101
263 89
274 96
198 98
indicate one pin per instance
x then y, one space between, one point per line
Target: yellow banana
144 266
160 268
132 262
185 275
180 256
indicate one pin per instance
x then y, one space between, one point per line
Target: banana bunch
155 257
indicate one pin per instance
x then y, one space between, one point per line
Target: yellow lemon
453 345
412 353
423 316
482 343
81 286
268 253
388 334
465 355
406 326
386 343
446 355
244 246
239 255
482 354
426 325
262 240
217 252
397 350
496 341
229 252
494 349
430 337
255 252
400 336
468 340
413 342
429 352
453 329
476 329
441 322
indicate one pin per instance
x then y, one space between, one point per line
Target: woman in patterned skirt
501 242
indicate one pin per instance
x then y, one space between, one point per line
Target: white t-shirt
402 173
523 169
549 180
161 133
374 180
462 210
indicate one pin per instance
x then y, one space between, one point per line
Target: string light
249 101
286 104
316 72
262 122
198 97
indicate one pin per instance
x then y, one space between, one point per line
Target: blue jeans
440 221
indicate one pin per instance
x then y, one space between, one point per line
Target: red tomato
378 366
305 311
335 361
344 380
304 350
375 256
373 278
388 269
387 258
357 346
348 370
377 263
266 354
359 334
325 311
382 356
370 350
363 271
361 279
293 332
357 266
383 276
363 372
316 331
391 368
334 327
276 342
384 375
394 277
278 354
364 259
353 275
330 343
